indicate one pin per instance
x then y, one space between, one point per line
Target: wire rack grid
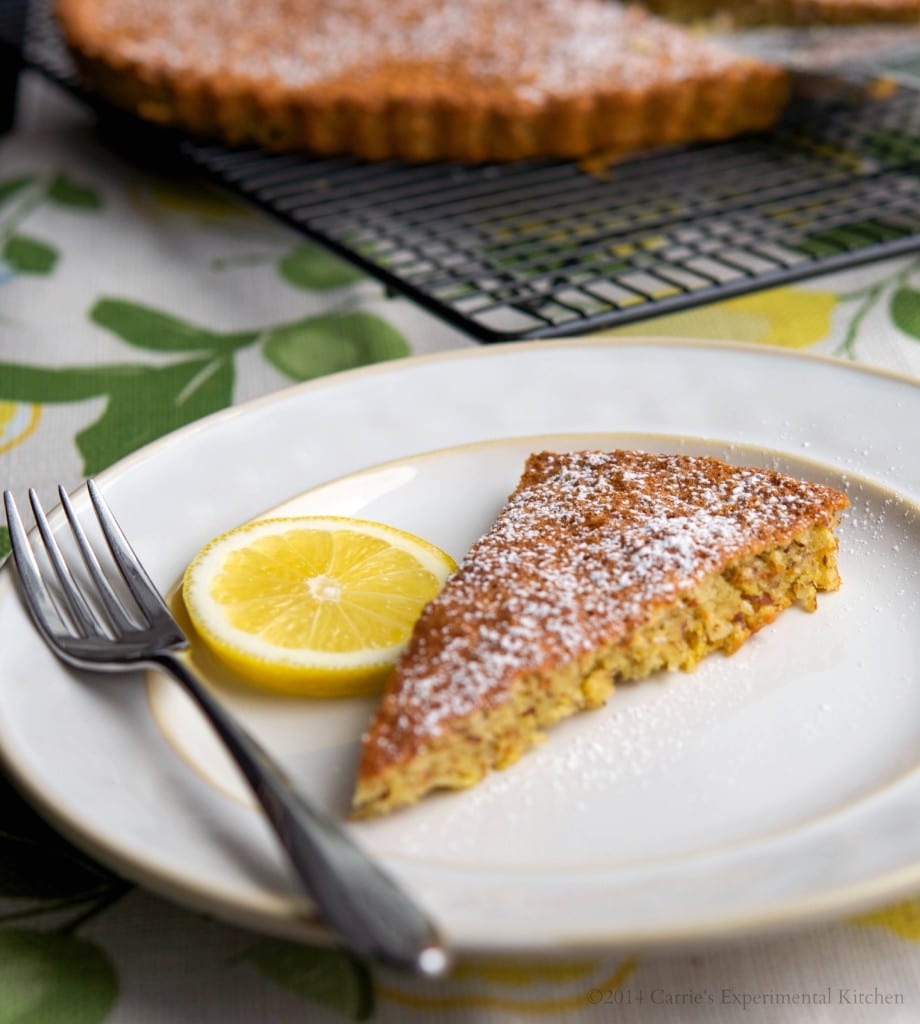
543 248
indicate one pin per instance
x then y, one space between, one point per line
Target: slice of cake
602 567
470 80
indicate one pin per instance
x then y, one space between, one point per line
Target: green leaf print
313 268
905 310
151 402
29 255
66 192
54 978
150 329
20 383
894 145
4 542
330 977
144 402
11 186
332 342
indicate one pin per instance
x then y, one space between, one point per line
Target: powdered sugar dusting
537 49
588 546
636 744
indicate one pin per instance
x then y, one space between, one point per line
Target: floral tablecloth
133 303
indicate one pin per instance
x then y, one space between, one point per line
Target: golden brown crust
474 87
589 550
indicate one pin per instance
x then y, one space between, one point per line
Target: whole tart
470 80
602 567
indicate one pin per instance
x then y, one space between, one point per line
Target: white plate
765 790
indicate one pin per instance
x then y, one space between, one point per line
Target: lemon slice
320 606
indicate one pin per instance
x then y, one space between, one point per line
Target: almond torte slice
471 80
601 567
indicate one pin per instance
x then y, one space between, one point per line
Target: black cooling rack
537 249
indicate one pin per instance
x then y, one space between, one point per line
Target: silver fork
359 902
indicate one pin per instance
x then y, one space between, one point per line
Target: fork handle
358 900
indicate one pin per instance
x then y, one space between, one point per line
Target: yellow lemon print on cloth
901 918
534 989
17 421
789 317
199 201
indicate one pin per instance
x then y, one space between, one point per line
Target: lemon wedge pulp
318 606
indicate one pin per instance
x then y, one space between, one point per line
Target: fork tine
83 615
107 595
139 583
43 610
39 600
